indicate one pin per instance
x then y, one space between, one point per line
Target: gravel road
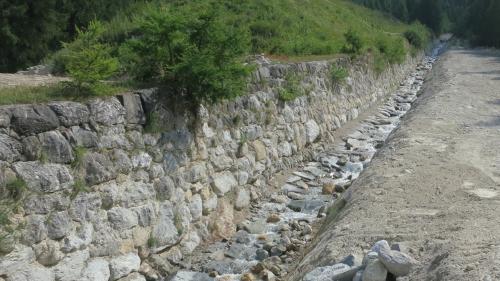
14 80
435 186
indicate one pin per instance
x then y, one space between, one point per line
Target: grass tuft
338 74
292 88
47 93
80 153
78 187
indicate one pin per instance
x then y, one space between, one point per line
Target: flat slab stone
191 276
304 175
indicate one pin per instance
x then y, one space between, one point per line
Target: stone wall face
115 181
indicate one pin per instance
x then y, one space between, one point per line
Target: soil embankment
435 185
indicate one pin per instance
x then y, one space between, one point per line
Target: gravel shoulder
15 80
435 186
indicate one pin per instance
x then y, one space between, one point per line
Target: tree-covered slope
478 20
29 30
278 27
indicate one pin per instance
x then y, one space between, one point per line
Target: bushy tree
29 30
89 61
414 39
353 45
192 51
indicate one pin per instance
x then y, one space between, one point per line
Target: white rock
374 270
71 266
19 257
48 253
397 263
380 244
32 272
196 207
123 265
122 218
190 242
191 276
141 160
242 199
312 131
133 277
96 270
337 272
80 240
223 182
44 177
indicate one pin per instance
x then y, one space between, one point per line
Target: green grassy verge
40 94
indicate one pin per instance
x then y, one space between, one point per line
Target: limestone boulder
35 230
123 265
97 269
122 218
70 268
70 113
29 120
312 131
191 276
397 263
337 272
134 112
374 268
82 137
10 148
223 226
242 199
98 168
165 230
223 182
4 118
44 178
59 225
31 272
107 112
196 207
48 253
56 148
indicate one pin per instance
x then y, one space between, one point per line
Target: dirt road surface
14 80
435 186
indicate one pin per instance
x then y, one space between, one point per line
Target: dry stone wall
117 181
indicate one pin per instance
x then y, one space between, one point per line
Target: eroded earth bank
433 188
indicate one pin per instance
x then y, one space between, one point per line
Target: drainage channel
269 242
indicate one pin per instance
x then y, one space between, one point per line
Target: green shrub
392 48
354 44
153 123
338 74
152 241
193 51
16 189
78 187
87 60
380 63
414 39
389 50
292 89
77 162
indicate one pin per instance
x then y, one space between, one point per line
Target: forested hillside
478 20
29 30
32 30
